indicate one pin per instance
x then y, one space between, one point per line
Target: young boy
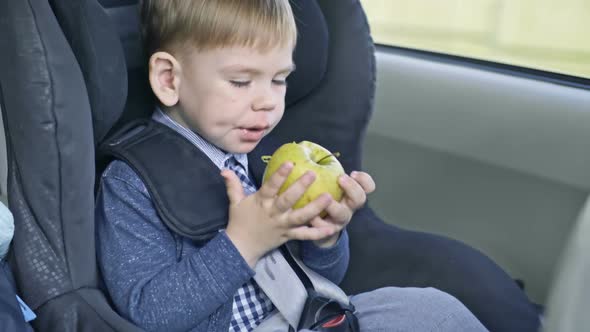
218 69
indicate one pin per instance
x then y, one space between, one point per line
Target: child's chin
243 147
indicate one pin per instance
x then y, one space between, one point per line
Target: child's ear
164 77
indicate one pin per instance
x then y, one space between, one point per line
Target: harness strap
274 323
281 284
290 285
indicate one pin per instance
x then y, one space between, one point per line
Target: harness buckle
326 315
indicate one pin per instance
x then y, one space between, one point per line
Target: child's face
233 96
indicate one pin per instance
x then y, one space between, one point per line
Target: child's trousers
412 309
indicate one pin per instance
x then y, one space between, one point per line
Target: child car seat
70 69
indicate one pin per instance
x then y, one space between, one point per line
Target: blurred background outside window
550 35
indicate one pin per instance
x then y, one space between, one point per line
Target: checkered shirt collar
214 153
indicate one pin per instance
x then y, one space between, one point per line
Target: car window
541 34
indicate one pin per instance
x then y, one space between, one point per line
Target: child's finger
365 180
313 209
271 187
235 190
323 223
339 212
355 195
286 200
305 233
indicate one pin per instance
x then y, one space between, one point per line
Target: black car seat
48 127
71 71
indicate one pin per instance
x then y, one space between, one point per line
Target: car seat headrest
94 41
311 53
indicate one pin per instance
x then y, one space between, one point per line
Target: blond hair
171 25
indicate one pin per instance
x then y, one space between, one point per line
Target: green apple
307 156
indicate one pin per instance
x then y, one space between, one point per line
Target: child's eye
239 84
279 82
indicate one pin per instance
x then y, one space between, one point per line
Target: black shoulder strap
187 190
185 185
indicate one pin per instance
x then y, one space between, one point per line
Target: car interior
481 171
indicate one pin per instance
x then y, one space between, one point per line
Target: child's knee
449 314
411 296
441 299
415 309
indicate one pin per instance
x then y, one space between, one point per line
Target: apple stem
335 155
265 159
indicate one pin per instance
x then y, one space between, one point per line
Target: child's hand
265 220
356 187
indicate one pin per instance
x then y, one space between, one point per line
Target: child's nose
266 100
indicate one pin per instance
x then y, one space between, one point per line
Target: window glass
549 35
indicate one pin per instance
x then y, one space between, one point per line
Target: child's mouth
252 134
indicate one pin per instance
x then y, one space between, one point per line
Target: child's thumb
235 190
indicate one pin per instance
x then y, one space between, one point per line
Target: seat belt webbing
287 292
281 284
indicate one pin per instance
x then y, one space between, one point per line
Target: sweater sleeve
137 255
332 262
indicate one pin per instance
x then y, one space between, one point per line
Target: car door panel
487 157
